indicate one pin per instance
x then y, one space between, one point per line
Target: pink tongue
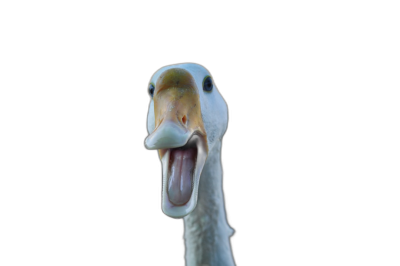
182 164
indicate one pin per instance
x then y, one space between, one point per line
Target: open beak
180 138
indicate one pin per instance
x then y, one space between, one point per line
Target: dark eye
207 84
151 89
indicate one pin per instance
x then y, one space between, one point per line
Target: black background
100 194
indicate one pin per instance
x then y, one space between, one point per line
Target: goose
187 119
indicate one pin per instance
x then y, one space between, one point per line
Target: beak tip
148 145
168 135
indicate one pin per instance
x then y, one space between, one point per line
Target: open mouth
182 168
182 163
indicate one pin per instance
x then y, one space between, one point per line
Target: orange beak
177 111
180 138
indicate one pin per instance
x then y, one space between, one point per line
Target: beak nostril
184 119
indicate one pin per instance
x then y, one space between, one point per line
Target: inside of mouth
182 163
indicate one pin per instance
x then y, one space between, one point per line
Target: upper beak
176 110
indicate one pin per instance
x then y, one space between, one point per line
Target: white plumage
207 232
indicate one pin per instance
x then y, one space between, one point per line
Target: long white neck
207 231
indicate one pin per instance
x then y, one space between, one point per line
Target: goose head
187 116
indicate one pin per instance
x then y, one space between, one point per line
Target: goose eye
207 84
151 89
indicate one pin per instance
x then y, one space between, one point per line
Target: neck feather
207 231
